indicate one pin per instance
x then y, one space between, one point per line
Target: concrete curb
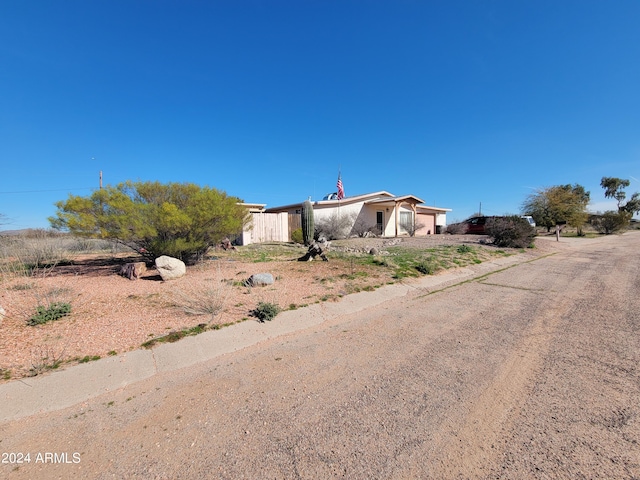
61 389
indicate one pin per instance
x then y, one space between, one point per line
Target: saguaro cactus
307 222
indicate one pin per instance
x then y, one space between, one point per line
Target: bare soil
111 314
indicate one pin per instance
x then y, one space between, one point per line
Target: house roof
375 198
253 207
426 208
395 200
329 203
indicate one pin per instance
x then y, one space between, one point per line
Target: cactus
307 222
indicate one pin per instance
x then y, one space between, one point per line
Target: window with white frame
406 221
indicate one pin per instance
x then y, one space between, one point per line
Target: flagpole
340 189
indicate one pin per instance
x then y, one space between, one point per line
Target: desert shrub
25 256
464 249
511 232
296 236
266 311
611 222
427 267
361 227
457 228
181 220
44 359
333 227
412 228
209 299
54 311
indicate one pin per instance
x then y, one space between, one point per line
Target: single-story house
381 212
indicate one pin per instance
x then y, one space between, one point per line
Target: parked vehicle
473 225
476 225
530 219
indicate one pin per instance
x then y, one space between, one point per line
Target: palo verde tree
181 220
558 204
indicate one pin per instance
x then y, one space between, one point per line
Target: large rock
260 279
170 268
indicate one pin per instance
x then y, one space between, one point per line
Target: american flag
340 188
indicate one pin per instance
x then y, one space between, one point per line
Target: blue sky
456 102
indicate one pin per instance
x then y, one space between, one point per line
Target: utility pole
93 158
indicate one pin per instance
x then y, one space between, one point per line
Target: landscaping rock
260 280
3 314
374 251
170 268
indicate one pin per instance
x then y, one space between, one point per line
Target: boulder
260 280
170 268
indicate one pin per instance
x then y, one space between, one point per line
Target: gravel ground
111 314
530 372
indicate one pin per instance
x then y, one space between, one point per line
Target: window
406 221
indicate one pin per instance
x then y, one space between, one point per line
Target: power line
55 190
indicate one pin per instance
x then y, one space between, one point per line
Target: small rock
170 268
3 314
373 251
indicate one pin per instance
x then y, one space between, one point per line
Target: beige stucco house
386 214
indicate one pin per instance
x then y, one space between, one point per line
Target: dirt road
531 372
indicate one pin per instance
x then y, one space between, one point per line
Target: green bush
54 311
465 248
511 232
426 267
296 236
265 311
178 219
611 222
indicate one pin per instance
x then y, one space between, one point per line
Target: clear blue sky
456 102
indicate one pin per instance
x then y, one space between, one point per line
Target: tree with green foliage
558 204
182 220
611 221
614 188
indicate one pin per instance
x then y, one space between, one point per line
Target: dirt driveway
530 372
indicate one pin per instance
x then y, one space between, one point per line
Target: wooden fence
270 227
